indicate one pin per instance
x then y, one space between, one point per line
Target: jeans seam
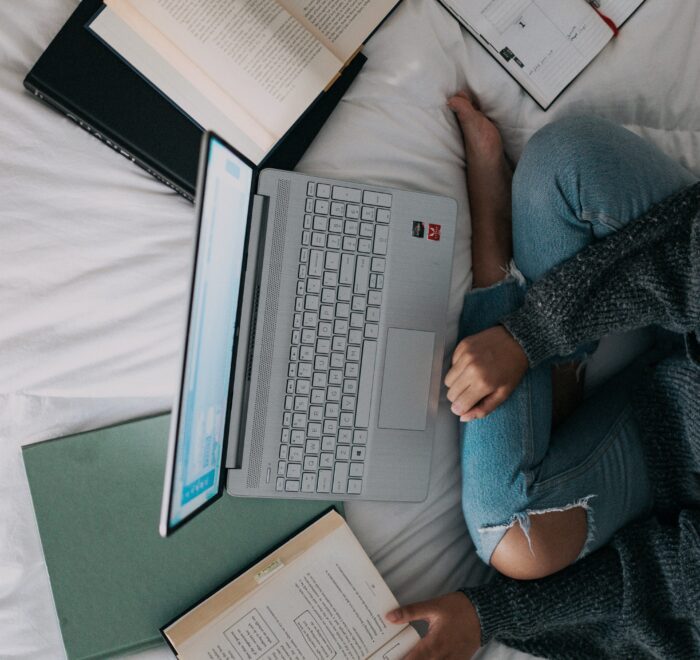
574 472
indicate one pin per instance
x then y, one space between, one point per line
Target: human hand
454 631
486 368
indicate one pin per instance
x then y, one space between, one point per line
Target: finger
423 611
470 397
460 349
486 406
466 377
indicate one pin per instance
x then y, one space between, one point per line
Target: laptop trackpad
406 387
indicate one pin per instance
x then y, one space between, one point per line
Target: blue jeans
578 181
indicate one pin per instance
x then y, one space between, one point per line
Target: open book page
318 596
399 646
340 25
544 44
236 126
254 50
619 10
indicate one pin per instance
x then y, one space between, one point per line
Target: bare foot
489 179
481 137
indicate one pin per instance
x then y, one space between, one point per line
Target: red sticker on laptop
434 232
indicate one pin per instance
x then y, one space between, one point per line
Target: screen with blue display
210 339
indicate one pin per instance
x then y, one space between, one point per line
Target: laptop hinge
245 341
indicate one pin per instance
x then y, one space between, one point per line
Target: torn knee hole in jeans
523 519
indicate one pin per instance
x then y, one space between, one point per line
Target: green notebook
115 581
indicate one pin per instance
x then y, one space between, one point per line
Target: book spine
104 139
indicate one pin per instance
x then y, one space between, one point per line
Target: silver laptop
315 338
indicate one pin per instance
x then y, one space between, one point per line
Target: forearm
647 273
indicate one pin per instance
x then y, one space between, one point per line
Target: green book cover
115 581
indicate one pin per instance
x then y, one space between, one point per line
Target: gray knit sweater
638 597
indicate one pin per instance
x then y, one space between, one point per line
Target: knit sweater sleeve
629 592
646 273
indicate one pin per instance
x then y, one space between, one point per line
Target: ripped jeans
578 181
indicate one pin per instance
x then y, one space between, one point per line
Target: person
593 522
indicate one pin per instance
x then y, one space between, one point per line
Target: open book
317 596
246 69
543 44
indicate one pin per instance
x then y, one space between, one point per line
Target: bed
94 257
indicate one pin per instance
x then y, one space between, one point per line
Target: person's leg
580 179
512 445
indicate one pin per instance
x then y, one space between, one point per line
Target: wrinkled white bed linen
94 256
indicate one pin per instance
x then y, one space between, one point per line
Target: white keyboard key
325 478
311 302
350 227
333 242
320 223
339 344
318 397
332 410
352 211
378 264
305 237
293 470
333 394
321 206
383 215
310 188
326 313
355 486
335 225
362 274
342 453
318 239
338 209
369 354
323 190
372 314
323 346
347 269
308 482
315 268
368 213
365 245
376 198
313 285
371 331
357 320
315 413
327 459
330 427
337 360
313 446
360 437
358 453
355 337
298 437
292 485
346 194
353 353
347 419
285 437
307 221
279 485
344 293
296 454
299 421
381 239
345 436
306 353
356 469
349 243
350 386
366 229
313 430
281 468
309 206
348 403
340 477
374 298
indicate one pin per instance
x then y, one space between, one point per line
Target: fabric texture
638 597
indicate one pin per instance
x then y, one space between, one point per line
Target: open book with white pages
543 44
317 596
246 69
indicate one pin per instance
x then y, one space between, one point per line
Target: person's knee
553 541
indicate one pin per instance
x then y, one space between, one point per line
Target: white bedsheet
94 255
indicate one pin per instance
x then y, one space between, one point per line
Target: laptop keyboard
333 349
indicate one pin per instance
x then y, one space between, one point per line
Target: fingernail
456 409
392 616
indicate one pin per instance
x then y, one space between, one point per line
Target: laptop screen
204 396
